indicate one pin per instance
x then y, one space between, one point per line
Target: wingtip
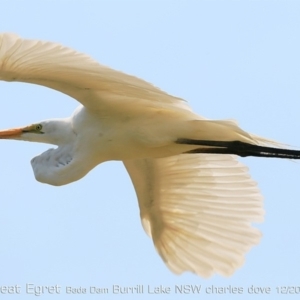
8 35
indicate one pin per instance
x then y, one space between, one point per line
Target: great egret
196 203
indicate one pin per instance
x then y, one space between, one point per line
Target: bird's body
196 201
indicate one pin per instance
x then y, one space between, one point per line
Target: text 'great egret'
196 200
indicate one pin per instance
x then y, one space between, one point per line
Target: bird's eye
38 127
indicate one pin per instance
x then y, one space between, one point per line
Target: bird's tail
225 137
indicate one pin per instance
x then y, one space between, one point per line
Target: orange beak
11 133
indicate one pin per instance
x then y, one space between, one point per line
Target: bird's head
50 132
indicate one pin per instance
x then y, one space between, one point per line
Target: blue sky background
229 59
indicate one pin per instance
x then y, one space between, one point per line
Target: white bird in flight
196 200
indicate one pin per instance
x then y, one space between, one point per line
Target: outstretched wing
77 75
198 210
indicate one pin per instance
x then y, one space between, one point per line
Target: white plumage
198 210
197 207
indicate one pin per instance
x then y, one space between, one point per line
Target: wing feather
77 75
198 209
